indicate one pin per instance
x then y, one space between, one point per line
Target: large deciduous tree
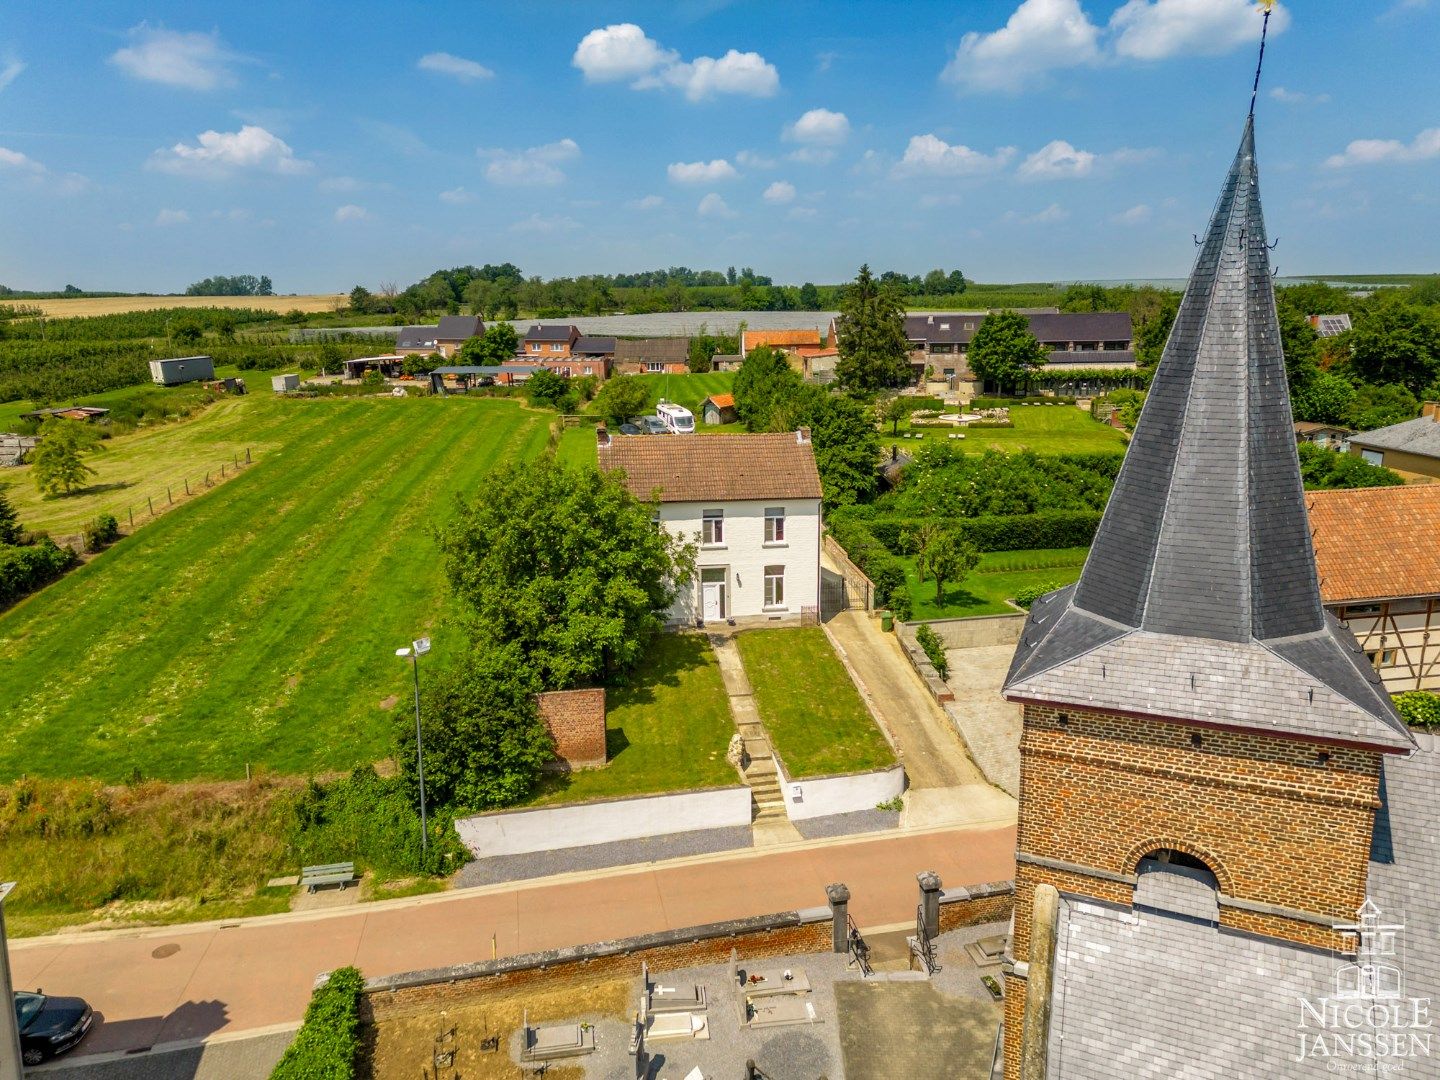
1397 343
565 566
59 457
491 349
1004 351
765 381
871 340
622 397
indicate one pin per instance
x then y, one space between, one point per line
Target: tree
415 364
9 520
1301 346
951 558
186 332
566 568
895 410
1380 406
764 380
1397 343
919 540
546 388
871 340
496 346
362 301
809 297
622 397
59 455
1325 398
1154 332
485 743
847 446
1004 351
1324 469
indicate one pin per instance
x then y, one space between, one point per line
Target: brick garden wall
976 905
785 934
576 721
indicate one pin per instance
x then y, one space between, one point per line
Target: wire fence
130 516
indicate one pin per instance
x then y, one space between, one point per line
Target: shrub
934 650
1030 593
25 569
990 424
102 531
901 606
328 1042
1019 532
1419 707
875 559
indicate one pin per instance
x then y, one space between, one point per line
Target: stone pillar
1039 983
930 902
839 897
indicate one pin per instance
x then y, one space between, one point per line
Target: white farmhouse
752 502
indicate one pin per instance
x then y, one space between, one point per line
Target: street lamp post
416 650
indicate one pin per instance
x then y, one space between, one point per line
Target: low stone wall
785 934
976 905
905 633
859 589
576 721
518 832
822 796
975 632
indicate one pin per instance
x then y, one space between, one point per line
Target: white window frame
774 598
1373 457
712 528
775 526
655 366
557 348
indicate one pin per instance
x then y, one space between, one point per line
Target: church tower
1189 700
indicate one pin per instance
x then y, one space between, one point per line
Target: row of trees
239 285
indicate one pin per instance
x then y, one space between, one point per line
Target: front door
713 600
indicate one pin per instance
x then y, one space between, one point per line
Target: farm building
719 409
1411 448
638 356
390 366
181 369
283 384
69 412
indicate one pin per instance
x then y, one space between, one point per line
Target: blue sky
146 146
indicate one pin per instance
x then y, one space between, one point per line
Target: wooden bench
340 873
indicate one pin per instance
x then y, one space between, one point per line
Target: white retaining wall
822 796
974 632
518 832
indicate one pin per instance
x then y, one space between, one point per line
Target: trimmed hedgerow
328 1042
1419 707
1030 593
934 650
1017 532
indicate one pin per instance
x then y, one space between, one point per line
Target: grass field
995 580
687 390
113 305
816 719
256 624
667 731
1046 429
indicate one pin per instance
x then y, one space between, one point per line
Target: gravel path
861 821
502 868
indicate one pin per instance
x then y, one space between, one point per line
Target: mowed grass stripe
257 624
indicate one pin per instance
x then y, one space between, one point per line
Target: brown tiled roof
1376 543
695 468
722 401
756 338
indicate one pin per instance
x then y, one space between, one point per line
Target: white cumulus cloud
1423 147
216 154
648 202
457 67
15 162
929 155
713 205
781 191
10 72
538 165
1057 160
1157 29
545 224
1297 97
1136 215
819 127
623 51
351 212
1051 214
457 196
700 172
188 59
172 217
1040 36
751 160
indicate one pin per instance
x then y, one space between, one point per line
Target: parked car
654 425
630 429
49 1025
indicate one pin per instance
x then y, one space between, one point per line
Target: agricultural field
1046 429
256 625
70 308
997 578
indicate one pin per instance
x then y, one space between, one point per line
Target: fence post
132 519
168 497
839 897
151 503
222 470
247 455
187 485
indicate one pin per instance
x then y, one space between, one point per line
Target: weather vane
1265 6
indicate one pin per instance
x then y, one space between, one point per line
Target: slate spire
1206 538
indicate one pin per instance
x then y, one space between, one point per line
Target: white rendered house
751 502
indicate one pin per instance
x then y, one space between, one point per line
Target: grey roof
1049 327
551 332
1161 991
672 350
417 337
1109 358
459 327
939 327
1420 436
1202 568
594 346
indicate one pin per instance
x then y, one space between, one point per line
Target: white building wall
744 555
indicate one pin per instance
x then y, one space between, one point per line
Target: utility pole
417 649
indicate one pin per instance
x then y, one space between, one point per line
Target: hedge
1020 532
1027 596
934 650
30 567
328 1042
1010 402
1419 707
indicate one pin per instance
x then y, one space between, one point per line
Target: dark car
49 1025
630 429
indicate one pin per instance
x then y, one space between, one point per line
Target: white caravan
677 419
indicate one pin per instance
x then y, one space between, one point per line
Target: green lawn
816 719
998 577
577 445
666 731
1046 429
256 624
687 390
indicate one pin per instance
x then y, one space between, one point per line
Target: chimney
602 436
1432 410
802 436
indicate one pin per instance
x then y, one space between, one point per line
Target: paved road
163 985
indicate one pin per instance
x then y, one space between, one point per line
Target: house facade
1379 561
752 505
1325 436
652 356
1072 340
1412 448
444 339
564 350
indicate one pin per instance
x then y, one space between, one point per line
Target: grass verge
997 578
816 719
